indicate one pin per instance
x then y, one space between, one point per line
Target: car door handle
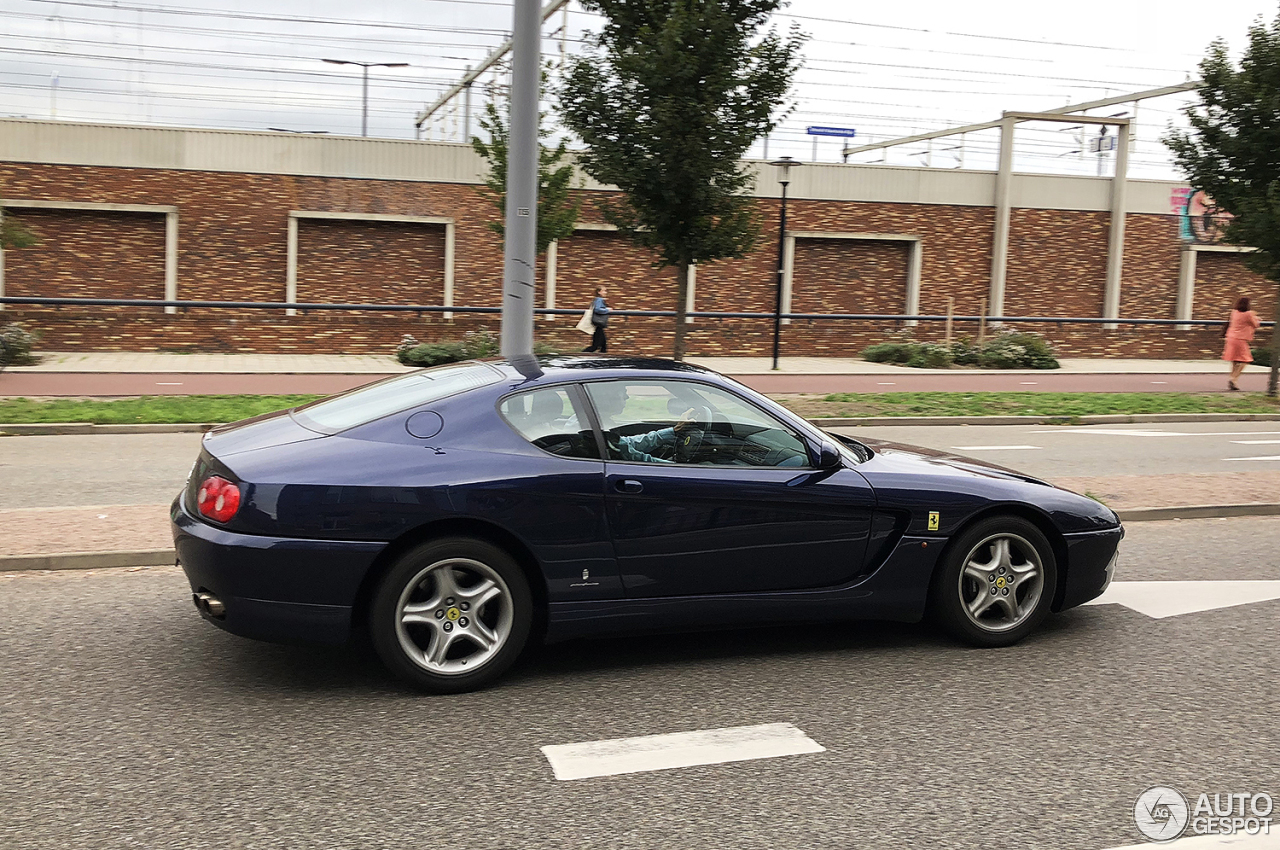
628 485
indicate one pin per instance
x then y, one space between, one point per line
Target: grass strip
147 410
228 408
1025 404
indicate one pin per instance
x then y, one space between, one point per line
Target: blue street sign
847 132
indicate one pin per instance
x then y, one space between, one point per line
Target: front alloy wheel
995 583
451 615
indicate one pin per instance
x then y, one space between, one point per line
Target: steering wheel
689 439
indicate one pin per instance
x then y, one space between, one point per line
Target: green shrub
474 345
888 352
15 346
927 355
1008 350
1016 350
1262 356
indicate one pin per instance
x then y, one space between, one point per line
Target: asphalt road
1055 451
98 469
133 384
126 721
129 469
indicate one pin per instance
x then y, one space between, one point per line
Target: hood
937 459
260 432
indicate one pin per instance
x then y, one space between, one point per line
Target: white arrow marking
1160 599
1242 841
678 749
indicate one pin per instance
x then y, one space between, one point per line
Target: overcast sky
885 69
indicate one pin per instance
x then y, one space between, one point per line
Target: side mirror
828 455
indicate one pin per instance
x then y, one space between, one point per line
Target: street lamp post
364 100
784 177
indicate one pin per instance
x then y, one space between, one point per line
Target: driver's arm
638 446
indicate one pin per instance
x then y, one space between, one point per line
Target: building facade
152 213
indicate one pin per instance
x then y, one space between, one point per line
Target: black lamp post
784 177
364 100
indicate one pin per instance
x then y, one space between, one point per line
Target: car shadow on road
356 668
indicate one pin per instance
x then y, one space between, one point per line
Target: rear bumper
273 588
1091 564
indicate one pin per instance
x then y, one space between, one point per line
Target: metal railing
552 311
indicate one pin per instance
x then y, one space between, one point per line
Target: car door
743 511
552 495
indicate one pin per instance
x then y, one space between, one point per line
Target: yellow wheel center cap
999 583
453 613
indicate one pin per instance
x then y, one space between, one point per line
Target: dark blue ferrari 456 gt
454 514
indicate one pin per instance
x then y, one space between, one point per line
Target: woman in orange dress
1239 333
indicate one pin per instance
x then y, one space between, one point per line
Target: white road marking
992 448
887 383
1255 442
1159 382
1242 841
1112 432
1028 383
1262 457
678 749
168 383
1160 599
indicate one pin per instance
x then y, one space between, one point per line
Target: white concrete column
1000 242
914 262
171 259
1 262
291 265
788 272
1115 245
1186 286
549 287
693 292
449 241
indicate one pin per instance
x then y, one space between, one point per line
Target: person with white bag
594 320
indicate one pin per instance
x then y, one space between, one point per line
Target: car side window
548 419
690 423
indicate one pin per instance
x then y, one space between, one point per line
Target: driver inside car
637 447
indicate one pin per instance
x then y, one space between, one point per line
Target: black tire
408 615
954 593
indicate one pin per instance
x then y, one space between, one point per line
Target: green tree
13 234
668 97
557 211
1232 151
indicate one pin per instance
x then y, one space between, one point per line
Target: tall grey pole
364 103
782 272
520 251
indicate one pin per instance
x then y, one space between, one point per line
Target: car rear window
365 404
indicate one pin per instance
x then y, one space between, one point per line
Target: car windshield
365 404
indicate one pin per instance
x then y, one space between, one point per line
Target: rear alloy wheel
996 582
451 615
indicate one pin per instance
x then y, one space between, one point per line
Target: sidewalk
138 535
126 362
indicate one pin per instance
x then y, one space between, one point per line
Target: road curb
165 557
88 560
1093 419
1199 512
65 428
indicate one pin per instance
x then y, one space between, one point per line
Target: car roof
558 368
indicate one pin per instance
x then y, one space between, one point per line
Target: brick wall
232 246
370 262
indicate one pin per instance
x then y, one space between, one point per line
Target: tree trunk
1275 350
682 310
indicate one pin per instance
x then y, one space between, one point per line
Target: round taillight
218 498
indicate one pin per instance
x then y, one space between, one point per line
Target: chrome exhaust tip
209 605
